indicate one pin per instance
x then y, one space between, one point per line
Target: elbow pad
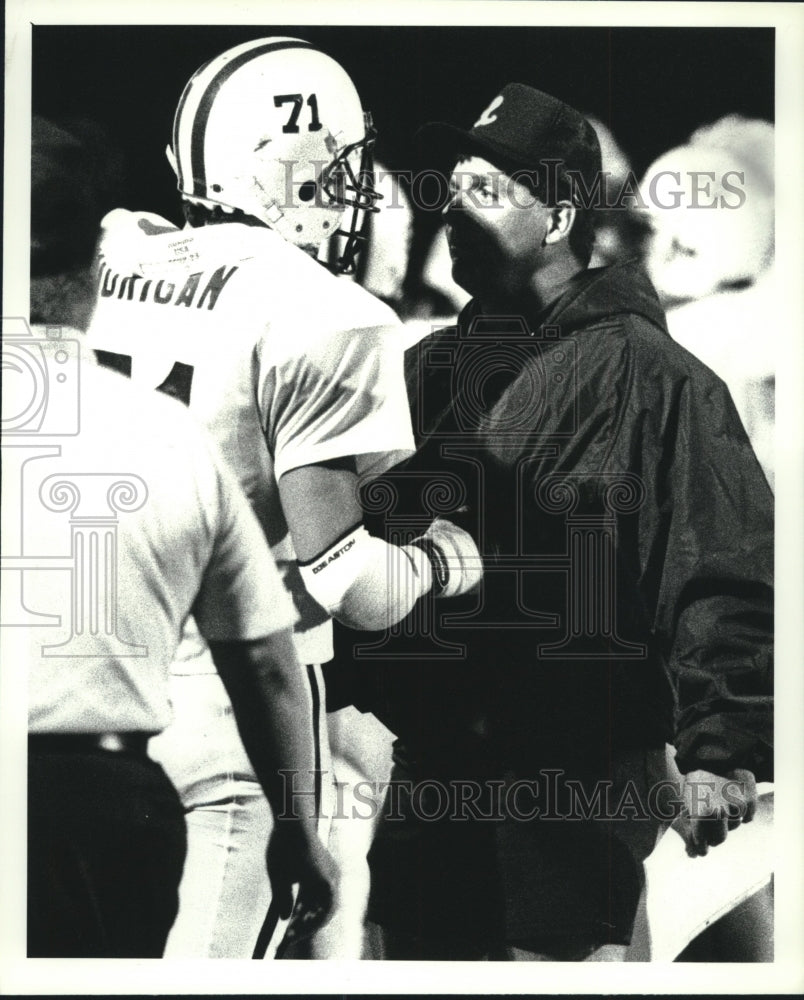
366 583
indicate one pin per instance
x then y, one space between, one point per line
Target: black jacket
626 529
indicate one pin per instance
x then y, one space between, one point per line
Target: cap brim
444 143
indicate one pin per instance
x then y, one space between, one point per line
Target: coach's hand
713 805
296 858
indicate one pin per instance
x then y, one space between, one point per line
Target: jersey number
178 383
297 100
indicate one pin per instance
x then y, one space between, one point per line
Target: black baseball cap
521 129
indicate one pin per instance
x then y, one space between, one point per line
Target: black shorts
504 864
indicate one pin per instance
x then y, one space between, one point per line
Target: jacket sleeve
707 543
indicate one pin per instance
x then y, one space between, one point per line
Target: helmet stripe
178 116
199 126
176 119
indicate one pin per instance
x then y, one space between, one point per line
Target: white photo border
22 976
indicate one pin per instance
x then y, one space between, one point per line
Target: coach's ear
561 220
171 157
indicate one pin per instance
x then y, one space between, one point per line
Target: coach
626 532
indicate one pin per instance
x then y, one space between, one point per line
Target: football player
299 377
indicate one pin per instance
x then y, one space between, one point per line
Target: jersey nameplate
199 289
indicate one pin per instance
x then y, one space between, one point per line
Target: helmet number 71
297 100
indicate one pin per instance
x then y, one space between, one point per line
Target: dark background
651 86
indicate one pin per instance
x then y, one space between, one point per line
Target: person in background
620 229
75 179
710 205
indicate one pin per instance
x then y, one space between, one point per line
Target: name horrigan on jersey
199 289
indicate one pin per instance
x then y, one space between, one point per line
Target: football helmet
275 128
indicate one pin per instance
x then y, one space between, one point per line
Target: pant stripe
266 931
313 678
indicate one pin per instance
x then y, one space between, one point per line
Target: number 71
297 100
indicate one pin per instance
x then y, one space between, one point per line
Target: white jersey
146 489
286 365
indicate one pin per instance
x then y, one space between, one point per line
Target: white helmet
275 128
